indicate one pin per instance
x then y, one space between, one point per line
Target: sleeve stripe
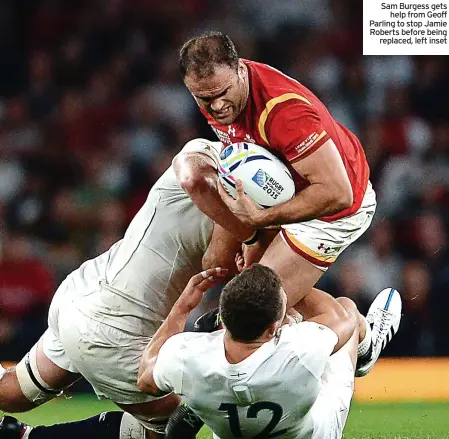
270 105
312 147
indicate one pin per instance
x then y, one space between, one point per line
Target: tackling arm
172 325
197 175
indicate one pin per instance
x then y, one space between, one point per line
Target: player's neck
237 351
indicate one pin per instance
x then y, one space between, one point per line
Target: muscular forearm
172 325
315 201
199 179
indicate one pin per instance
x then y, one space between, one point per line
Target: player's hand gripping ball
266 180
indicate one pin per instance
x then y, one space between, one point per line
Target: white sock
365 344
2 371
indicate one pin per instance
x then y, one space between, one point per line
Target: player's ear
241 69
272 329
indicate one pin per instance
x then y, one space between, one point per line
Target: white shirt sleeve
169 368
204 146
314 344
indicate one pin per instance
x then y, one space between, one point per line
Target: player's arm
172 325
329 191
222 250
197 174
296 129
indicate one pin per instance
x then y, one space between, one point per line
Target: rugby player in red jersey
334 204
247 101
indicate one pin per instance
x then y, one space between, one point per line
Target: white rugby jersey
269 394
135 283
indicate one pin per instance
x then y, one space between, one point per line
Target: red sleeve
294 127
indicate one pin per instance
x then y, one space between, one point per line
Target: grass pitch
366 421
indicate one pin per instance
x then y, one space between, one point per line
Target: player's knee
350 311
31 383
348 304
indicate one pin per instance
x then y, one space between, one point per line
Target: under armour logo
231 131
323 248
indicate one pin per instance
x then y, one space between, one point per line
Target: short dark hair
200 55
251 302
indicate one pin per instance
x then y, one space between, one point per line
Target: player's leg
384 316
331 409
138 421
102 426
351 347
302 252
33 381
43 372
152 416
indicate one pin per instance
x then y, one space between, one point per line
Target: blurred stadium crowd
92 110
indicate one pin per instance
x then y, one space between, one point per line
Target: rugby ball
266 180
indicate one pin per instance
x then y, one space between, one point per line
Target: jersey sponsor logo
231 131
222 136
268 184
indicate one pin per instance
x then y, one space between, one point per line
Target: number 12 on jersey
253 411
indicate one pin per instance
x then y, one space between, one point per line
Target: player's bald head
200 56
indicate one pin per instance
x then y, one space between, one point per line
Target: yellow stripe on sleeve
271 104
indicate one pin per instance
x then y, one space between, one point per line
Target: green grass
366 421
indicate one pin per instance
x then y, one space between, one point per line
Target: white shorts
107 357
331 409
321 242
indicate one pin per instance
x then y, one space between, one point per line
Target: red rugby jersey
289 120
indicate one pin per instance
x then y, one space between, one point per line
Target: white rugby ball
266 180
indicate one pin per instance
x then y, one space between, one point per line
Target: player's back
271 393
135 283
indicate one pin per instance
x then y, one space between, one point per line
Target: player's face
224 94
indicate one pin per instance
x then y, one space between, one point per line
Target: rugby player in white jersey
104 313
260 377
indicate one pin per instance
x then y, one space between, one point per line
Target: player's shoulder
305 334
273 83
195 341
